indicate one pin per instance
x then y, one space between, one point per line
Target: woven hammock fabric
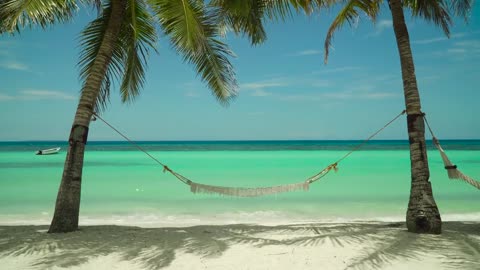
247 192
255 192
453 172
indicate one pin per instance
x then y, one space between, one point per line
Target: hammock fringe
458 175
247 192
453 172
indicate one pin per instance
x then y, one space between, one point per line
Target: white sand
308 246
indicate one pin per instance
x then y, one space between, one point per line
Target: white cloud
5 97
310 88
428 41
384 24
461 50
258 88
262 85
12 65
45 94
438 39
470 44
320 83
342 95
381 26
32 94
305 53
192 94
457 50
335 70
255 113
379 95
191 89
261 93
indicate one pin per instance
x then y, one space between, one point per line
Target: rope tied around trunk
251 192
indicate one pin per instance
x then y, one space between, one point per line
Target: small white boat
48 151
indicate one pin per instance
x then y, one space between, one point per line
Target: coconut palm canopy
439 12
115 47
423 215
193 27
189 25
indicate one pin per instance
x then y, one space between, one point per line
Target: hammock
251 192
247 192
453 173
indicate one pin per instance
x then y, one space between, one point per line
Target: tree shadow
458 247
153 248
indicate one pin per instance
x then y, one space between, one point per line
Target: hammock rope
453 172
251 192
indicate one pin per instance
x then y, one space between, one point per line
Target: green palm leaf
193 31
246 16
91 41
435 11
17 14
138 36
243 17
349 13
282 9
461 8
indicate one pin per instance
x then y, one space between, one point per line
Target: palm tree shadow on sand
457 248
150 248
381 244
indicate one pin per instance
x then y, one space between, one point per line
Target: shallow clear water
123 186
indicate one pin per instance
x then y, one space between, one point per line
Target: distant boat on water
48 151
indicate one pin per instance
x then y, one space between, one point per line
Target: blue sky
286 92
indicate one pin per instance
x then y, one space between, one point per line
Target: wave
267 218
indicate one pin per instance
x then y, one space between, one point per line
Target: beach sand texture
302 246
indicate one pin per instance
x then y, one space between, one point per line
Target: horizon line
236 140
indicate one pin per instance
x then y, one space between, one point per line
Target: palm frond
90 41
243 17
280 9
247 16
350 14
138 37
193 32
17 14
393 245
435 11
461 8
95 3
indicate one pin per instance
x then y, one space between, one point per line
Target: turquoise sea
121 185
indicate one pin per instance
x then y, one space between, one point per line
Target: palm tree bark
67 206
422 214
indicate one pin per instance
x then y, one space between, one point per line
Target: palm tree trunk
422 214
67 207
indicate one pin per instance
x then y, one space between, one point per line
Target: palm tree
115 46
422 214
246 17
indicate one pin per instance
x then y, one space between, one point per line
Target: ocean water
121 185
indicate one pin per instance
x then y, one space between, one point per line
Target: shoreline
255 218
376 245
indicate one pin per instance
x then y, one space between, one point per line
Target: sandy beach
301 246
239 135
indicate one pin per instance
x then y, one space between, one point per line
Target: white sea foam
271 218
